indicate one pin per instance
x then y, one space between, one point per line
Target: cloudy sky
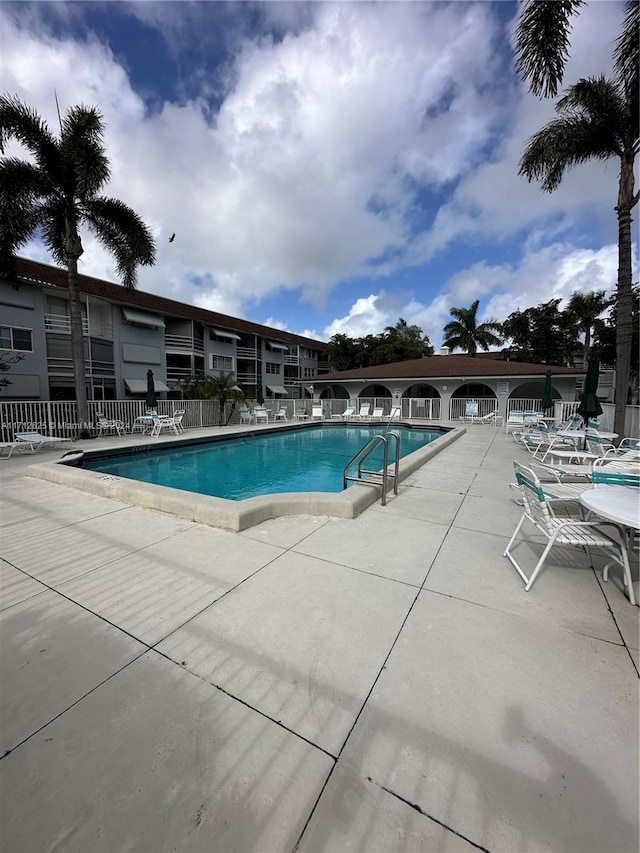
326 167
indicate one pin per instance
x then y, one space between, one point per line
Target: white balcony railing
60 324
183 343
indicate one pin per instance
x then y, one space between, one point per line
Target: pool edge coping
234 516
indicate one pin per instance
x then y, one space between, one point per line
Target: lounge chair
7 448
365 408
378 413
538 511
316 411
38 441
348 413
107 425
302 415
394 414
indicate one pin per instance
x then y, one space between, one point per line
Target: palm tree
585 309
223 388
598 119
465 333
56 194
604 117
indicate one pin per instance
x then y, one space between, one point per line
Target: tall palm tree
542 49
585 309
54 196
464 332
598 119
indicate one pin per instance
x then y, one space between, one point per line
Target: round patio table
615 503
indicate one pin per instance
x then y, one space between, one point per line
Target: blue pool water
301 460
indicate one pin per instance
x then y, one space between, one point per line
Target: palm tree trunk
73 251
624 329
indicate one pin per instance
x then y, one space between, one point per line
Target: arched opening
334 392
533 391
422 391
474 390
375 391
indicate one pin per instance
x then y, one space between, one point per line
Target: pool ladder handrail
375 478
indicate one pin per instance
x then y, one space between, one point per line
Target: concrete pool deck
381 683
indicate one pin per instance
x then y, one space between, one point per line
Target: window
16 339
272 367
308 372
221 362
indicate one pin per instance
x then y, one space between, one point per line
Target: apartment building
126 333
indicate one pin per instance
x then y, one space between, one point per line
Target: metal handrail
375 478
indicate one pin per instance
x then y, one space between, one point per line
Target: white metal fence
60 417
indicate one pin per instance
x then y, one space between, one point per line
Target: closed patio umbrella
151 400
547 399
259 392
589 404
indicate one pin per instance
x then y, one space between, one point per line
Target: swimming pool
298 460
234 515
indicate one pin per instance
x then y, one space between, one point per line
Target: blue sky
326 167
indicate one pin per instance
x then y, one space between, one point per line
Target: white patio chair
246 415
538 511
163 422
108 425
281 414
316 411
260 415
178 418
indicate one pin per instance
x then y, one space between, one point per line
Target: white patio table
615 503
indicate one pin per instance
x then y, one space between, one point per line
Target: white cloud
554 272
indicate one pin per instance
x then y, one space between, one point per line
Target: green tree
222 388
341 352
542 335
54 195
465 333
598 119
402 342
585 309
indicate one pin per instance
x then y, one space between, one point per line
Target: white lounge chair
108 425
538 511
38 441
365 408
316 411
394 414
7 448
348 413
378 413
302 415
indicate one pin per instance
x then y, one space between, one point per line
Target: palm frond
86 166
123 233
563 144
20 122
542 43
627 53
53 228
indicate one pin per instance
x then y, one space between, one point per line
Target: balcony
59 324
183 343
